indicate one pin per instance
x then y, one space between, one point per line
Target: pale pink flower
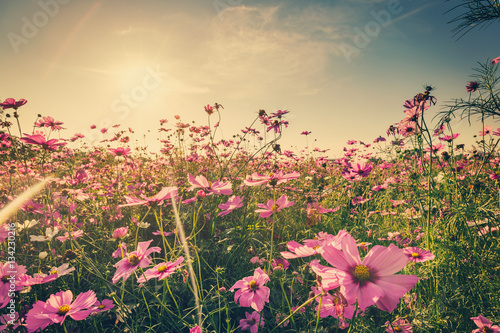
252 292
121 251
164 194
273 207
275 178
134 260
399 325
313 246
58 307
217 187
70 235
120 232
161 271
56 272
487 130
368 282
232 203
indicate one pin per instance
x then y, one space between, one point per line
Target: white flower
49 234
144 225
43 255
26 225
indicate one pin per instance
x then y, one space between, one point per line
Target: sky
343 69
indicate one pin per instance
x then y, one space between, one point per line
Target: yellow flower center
362 243
133 259
253 285
63 310
251 321
275 207
162 268
54 271
280 265
101 306
362 272
415 255
397 329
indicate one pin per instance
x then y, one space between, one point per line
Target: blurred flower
251 322
38 139
486 130
416 254
495 61
196 329
43 255
120 232
305 133
120 151
231 204
471 86
399 325
282 264
49 234
272 206
12 103
484 325
252 292
209 109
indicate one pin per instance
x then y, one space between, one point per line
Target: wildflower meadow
399 234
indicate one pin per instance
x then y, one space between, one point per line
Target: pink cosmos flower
487 130
105 305
39 139
333 305
399 325
12 103
313 246
273 207
495 61
49 122
274 178
156 200
232 203
161 271
120 232
11 272
471 86
7 319
282 264
58 307
134 260
251 322
252 292
70 235
57 272
416 254
120 151
449 138
305 133
216 187
368 282
484 325
121 251
196 329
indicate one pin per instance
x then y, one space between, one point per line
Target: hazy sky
342 68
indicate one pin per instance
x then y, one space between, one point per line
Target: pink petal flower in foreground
231 204
161 271
273 207
313 246
58 307
12 103
252 292
251 322
371 281
216 187
164 194
38 139
134 260
484 325
416 254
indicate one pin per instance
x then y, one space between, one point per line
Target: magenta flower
231 204
105 305
399 325
416 254
368 282
471 86
49 122
40 140
282 264
121 251
120 151
12 103
156 200
305 133
58 307
252 292
251 322
495 61
273 207
449 138
161 271
484 325
196 329
487 130
216 187
134 260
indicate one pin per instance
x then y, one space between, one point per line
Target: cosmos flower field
210 235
